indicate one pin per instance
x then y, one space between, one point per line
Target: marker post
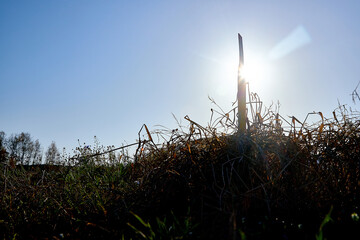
241 95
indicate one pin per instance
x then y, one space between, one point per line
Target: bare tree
23 149
3 152
20 147
37 153
12 146
52 155
26 147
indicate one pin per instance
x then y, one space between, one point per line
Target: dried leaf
322 117
148 132
321 128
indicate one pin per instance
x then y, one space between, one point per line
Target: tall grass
278 180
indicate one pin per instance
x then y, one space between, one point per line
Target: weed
281 174
327 219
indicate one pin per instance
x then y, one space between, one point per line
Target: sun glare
255 70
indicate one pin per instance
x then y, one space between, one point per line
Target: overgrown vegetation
281 180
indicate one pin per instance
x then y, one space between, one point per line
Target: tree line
22 149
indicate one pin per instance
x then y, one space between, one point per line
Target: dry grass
278 180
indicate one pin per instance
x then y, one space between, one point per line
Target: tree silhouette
20 148
3 152
52 155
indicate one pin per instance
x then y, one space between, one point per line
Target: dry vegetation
281 180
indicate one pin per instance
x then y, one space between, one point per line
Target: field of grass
280 180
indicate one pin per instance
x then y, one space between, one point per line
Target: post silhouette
241 94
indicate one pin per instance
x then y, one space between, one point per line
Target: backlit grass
283 179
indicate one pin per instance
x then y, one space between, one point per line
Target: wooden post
241 95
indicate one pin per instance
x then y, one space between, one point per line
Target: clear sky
72 69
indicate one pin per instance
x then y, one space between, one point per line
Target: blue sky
70 70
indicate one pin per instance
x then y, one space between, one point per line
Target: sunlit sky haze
70 70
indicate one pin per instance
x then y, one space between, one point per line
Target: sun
256 69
